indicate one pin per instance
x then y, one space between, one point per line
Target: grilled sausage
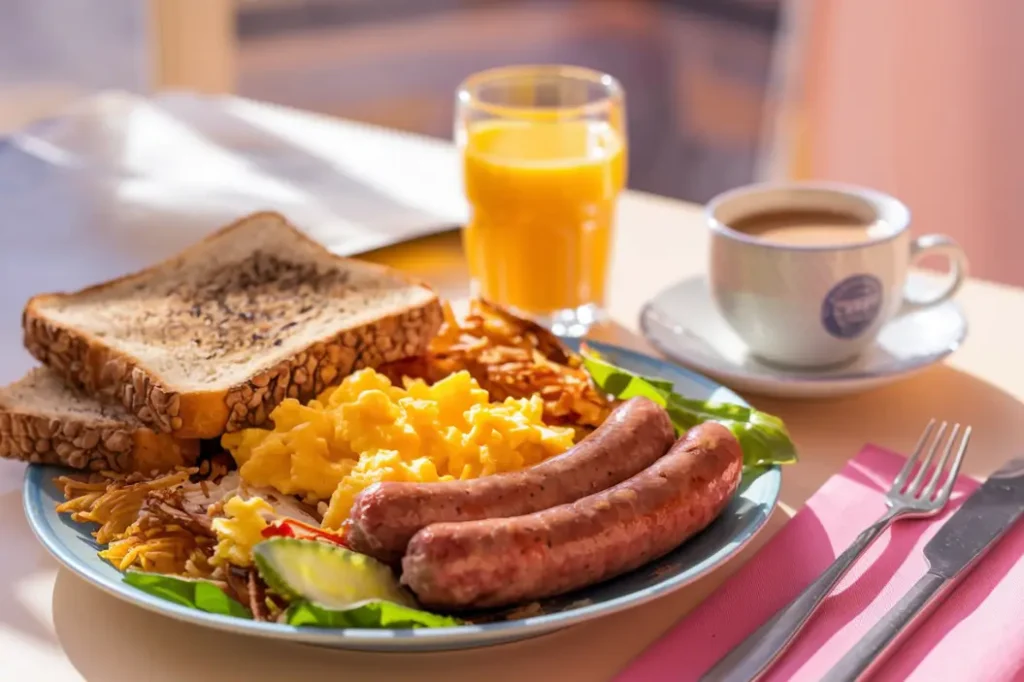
386 515
497 562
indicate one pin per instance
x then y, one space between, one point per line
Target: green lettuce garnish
203 595
372 614
762 436
197 594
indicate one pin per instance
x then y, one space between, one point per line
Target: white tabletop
55 627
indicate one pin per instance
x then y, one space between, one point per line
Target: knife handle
880 641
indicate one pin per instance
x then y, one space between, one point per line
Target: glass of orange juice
544 160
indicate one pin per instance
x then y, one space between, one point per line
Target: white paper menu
119 182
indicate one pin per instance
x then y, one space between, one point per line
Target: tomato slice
290 528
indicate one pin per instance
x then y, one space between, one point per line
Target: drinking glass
544 161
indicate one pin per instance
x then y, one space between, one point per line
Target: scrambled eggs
367 430
240 530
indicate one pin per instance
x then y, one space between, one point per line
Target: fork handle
756 653
873 649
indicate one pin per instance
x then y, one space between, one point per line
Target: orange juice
542 201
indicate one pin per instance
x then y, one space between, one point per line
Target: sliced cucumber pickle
328 575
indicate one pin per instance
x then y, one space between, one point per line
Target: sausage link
498 562
386 515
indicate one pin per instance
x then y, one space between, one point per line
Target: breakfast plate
260 436
73 546
682 322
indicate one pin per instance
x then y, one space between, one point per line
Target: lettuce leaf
762 436
370 614
197 594
206 596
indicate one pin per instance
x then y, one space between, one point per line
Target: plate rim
463 636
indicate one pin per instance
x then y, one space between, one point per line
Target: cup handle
932 244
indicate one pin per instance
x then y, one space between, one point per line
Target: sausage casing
497 562
386 515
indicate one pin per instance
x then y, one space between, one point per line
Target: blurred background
917 99
695 71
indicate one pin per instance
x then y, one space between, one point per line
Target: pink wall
923 99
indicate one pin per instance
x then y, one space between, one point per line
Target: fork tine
929 489
947 488
915 485
904 474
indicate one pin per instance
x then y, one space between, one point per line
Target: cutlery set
921 489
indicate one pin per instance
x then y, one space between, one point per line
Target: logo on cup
851 306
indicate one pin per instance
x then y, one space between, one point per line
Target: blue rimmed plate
73 546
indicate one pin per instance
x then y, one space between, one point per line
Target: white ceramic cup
810 306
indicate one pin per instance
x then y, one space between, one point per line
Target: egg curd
367 430
240 529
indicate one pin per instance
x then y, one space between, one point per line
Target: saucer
683 323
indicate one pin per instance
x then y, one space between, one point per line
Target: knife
982 520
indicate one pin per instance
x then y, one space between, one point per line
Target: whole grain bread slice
211 340
44 420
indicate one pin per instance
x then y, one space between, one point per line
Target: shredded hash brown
135 539
509 357
147 522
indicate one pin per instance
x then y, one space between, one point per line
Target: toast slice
43 420
211 340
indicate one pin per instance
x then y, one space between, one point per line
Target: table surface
55 627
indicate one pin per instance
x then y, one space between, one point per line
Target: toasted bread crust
93 365
306 375
80 444
89 365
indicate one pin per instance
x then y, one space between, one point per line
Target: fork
756 653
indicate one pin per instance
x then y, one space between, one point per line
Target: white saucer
682 323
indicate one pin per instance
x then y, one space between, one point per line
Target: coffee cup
807 274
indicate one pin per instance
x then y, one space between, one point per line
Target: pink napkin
976 634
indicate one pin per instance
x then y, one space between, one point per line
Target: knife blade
985 517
